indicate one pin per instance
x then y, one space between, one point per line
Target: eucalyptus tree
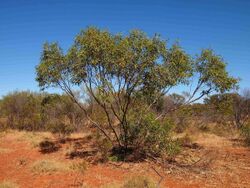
118 70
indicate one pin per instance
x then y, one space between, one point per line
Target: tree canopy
119 70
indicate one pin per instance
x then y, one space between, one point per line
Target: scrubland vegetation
117 93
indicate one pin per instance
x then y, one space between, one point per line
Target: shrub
113 158
139 182
104 146
60 129
151 136
245 131
22 110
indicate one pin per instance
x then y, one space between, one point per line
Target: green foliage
113 158
213 74
222 106
39 111
150 135
229 107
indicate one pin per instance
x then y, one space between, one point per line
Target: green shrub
113 158
151 136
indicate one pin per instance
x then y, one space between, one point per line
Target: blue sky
223 25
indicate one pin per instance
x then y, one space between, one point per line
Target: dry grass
3 150
51 166
48 166
134 182
8 184
68 150
34 138
112 185
140 182
80 167
210 140
4 132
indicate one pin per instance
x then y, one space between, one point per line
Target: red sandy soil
219 162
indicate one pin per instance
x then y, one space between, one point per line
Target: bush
139 182
104 147
151 136
60 129
22 110
30 111
113 158
246 133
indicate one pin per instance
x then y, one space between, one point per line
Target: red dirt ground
220 163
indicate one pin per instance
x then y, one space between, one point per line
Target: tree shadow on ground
48 146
